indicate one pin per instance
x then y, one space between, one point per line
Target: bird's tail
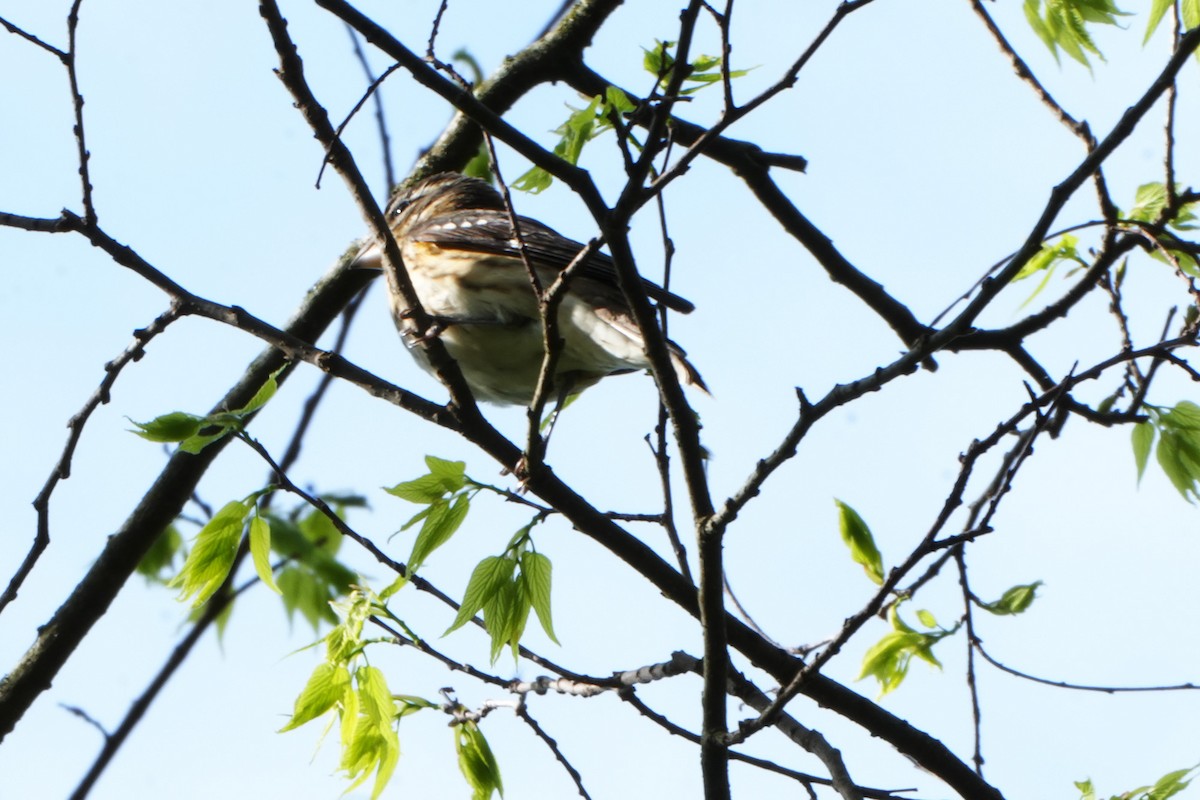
687 373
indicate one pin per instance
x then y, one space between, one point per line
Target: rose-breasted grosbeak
458 245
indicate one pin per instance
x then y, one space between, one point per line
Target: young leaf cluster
476 761
660 62
1064 249
581 126
1062 24
367 712
446 493
312 577
1189 12
1150 204
1167 786
308 542
506 588
585 124
215 548
888 659
194 432
1178 450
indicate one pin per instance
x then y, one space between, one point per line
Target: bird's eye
400 206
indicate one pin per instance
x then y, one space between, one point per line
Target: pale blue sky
928 162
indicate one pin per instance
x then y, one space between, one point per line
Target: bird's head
439 195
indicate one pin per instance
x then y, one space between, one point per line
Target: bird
458 246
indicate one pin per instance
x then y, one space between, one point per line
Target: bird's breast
472 286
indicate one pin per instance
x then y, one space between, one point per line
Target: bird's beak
369 257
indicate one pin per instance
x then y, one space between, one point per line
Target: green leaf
349 723
319 532
535 575
375 700
1165 787
1062 24
927 619
490 574
444 478
480 165
1053 254
365 749
1039 27
580 127
858 538
194 444
411 704
1179 456
617 99
1014 601
1064 248
505 614
212 554
465 57
326 687
373 743
1184 416
535 181
440 524
312 542
1178 450
452 473
260 552
1190 12
173 427
1149 202
888 659
304 592
658 60
1169 785
477 762
394 587
265 392
1143 438
425 489
161 556
313 577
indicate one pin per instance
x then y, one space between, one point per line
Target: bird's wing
491 232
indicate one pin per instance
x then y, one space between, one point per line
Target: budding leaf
489 575
440 524
326 686
173 427
260 552
1014 601
212 553
858 538
535 574
477 762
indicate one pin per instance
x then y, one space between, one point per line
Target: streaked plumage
458 246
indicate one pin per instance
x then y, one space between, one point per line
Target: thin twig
62 470
972 685
89 208
523 712
29 37
112 743
385 140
